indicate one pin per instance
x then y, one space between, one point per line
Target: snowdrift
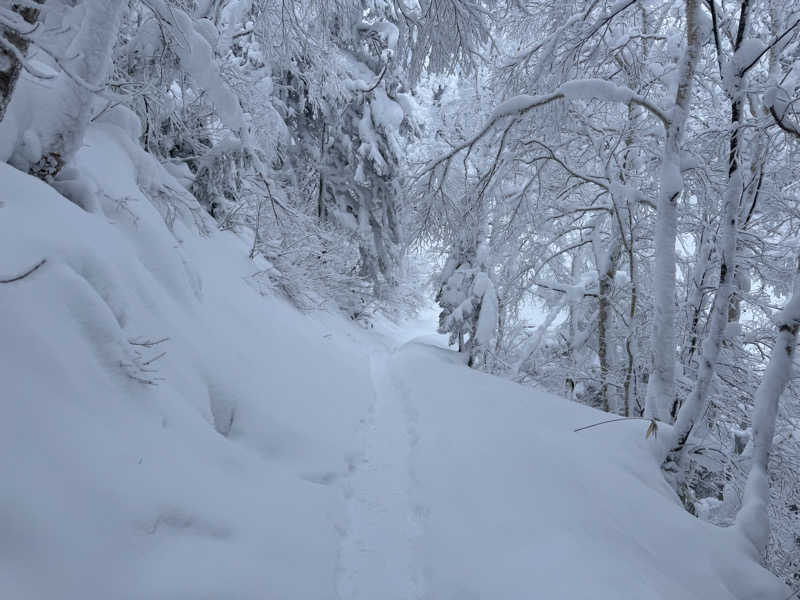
197 485
172 430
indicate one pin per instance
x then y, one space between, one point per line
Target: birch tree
661 385
694 406
752 519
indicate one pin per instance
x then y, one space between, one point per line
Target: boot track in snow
378 558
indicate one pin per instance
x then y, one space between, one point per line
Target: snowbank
203 484
513 504
169 432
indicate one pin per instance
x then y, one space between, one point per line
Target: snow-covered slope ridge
201 485
169 432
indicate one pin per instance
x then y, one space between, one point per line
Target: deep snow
287 456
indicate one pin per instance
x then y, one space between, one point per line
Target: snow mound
165 426
170 432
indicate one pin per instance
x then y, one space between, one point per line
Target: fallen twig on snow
653 429
25 274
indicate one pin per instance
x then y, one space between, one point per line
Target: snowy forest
592 200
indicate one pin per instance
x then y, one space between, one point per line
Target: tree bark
10 66
606 279
61 132
661 385
696 404
752 519
694 407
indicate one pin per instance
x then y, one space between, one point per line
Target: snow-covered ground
172 430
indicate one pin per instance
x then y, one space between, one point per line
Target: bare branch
25 274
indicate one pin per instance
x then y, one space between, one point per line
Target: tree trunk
606 279
696 303
661 386
10 66
61 132
322 212
629 374
752 519
695 406
631 253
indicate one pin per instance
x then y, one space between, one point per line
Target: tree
15 25
640 193
54 136
752 518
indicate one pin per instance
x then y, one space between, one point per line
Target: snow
748 51
116 488
575 293
121 116
588 89
508 503
578 89
197 55
369 148
753 520
280 455
515 105
388 32
410 106
488 316
386 113
378 552
532 344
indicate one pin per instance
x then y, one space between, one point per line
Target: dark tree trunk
10 66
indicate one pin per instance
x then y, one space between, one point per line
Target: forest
600 197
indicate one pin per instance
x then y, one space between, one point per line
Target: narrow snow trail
377 558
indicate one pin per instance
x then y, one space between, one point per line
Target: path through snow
378 557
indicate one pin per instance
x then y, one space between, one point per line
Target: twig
242 33
147 343
767 48
780 123
613 421
377 82
25 274
20 58
152 360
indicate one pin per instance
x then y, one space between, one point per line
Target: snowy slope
114 488
514 504
283 456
